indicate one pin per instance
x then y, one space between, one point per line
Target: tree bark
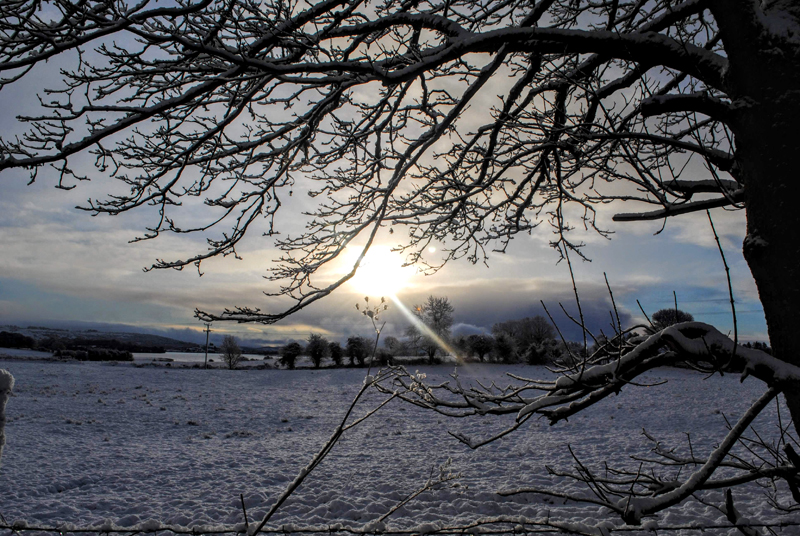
764 80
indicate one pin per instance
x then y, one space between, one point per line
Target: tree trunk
764 79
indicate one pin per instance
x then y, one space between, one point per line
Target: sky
62 267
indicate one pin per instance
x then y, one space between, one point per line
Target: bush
552 351
396 347
336 352
504 350
289 354
357 350
664 318
316 348
525 332
80 355
538 354
95 354
385 358
51 344
109 354
480 345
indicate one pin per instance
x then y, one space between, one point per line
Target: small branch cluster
665 478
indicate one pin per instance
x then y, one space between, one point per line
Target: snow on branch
633 494
701 102
597 377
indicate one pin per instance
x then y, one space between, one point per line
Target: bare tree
357 350
591 94
232 101
395 346
504 349
436 319
317 348
231 352
526 332
336 352
289 354
480 344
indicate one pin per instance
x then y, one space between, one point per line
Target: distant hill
145 340
130 340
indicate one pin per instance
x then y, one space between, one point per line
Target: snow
24 352
146 448
781 20
6 383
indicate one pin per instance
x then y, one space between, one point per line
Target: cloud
60 264
483 302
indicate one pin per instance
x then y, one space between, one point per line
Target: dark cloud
483 303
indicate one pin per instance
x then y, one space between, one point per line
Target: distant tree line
114 344
81 349
16 340
531 340
95 354
356 352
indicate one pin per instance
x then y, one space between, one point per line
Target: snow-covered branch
701 102
633 495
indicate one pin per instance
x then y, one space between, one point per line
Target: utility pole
208 330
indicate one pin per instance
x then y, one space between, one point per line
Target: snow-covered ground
88 442
24 353
194 357
177 357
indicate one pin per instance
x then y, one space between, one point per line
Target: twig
430 484
734 517
317 459
645 314
675 298
244 511
647 505
730 288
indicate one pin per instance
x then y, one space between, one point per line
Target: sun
381 273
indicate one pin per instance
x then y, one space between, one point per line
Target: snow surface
6 382
93 443
24 352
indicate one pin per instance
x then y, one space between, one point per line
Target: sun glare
381 273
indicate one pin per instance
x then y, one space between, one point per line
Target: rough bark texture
764 80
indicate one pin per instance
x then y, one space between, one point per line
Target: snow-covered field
88 442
